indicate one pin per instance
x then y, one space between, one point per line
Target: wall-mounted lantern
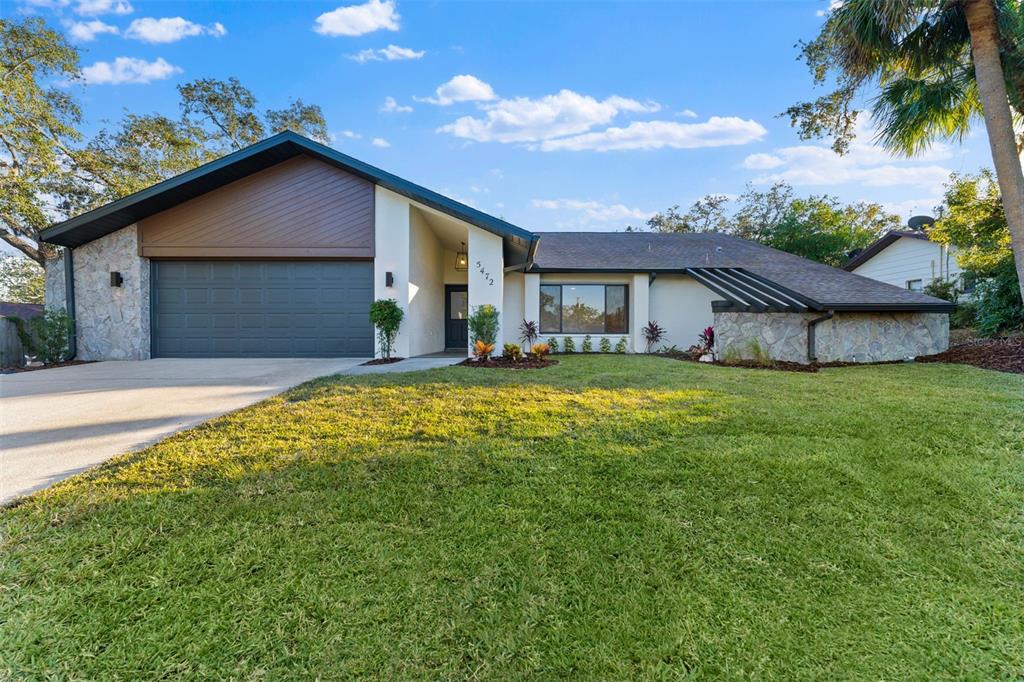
389 279
116 279
462 259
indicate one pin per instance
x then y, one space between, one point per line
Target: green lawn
606 518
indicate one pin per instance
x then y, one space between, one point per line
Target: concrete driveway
55 423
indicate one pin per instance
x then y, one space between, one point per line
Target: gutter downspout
812 353
69 300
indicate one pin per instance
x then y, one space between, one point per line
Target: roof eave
54 233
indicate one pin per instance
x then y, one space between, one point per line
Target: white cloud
832 5
347 134
392 107
688 113
865 164
461 88
910 207
530 120
380 142
357 20
717 131
170 29
85 31
590 212
128 70
390 53
95 7
762 162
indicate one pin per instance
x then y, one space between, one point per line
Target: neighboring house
279 249
906 259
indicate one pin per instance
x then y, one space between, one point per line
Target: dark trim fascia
323 152
893 307
879 245
69 301
729 307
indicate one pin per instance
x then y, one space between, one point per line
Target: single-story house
906 259
277 250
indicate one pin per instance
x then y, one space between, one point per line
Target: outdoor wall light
462 259
389 279
116 279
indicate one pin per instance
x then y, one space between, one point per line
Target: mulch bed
509 363
1004 355
383 361
18 370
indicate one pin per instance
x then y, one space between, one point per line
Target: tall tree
38 129
937 64
47 174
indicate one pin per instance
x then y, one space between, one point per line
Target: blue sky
552 115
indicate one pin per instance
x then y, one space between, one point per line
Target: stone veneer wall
847 337
54 281
112 322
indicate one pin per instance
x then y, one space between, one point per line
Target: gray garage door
224 309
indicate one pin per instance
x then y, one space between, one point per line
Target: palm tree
938 65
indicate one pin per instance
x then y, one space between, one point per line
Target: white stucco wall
908 258
513 311
426 288
451 275
486 276
639 310
682 306
391 227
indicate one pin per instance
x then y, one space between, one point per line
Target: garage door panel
262 309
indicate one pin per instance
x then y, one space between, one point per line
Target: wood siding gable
299 208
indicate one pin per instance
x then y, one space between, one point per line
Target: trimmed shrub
605 345
46 336
568 345
588 344
513 351
620 347
386 316
484 324
553 344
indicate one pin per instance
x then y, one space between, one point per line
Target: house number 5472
487 275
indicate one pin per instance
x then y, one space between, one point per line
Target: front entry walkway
55 423
433 361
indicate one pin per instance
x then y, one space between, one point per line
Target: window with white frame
915 285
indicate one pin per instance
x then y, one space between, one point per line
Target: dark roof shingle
832 288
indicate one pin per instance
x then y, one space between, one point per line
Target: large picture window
583 309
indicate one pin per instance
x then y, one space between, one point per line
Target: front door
456 312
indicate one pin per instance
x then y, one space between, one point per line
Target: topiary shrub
568 345
620 347
386 316
605 345
553 344
588 344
